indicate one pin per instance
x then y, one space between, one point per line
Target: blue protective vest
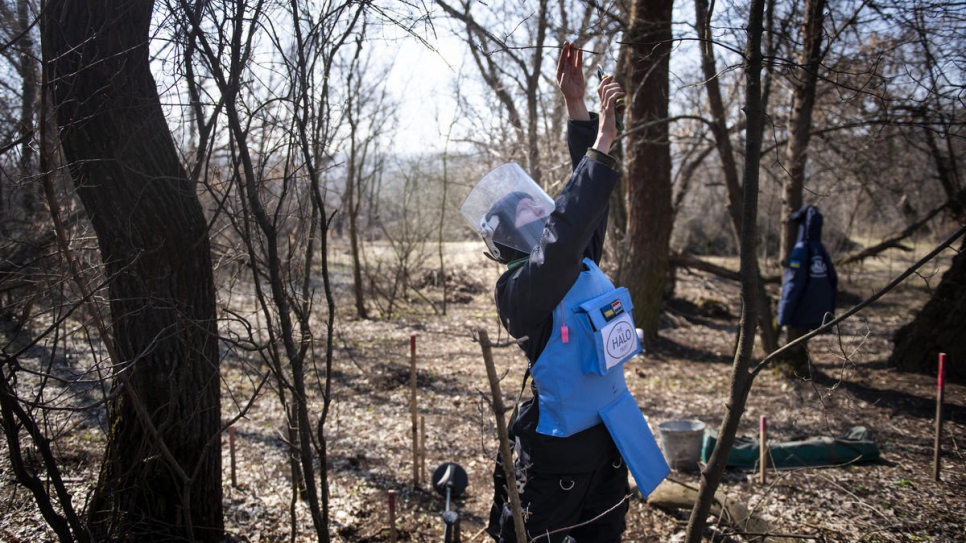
577 389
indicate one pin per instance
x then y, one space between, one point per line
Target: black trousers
587 507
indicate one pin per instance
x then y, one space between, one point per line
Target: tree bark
800 122
154 244
650 215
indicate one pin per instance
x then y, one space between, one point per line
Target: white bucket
681 442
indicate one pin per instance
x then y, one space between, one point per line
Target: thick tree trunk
648 155
154 244
800 122
938 328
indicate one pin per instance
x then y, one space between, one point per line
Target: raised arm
570 79
608 92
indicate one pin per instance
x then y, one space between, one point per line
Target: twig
586 522
504 47
777 535
506 456
477 534
484 340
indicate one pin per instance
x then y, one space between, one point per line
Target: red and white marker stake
939 416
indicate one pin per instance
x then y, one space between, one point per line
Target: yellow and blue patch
613 310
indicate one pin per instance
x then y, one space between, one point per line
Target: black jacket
527 294
810 282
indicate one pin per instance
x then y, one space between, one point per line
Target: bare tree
799 134
937 328
729 166
741 376
508 45
161 474
20 52
369 114
505 70
648 155
281 147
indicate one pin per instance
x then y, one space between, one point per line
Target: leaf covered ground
685 375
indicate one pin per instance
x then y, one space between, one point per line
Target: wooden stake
412 358
939 417
231 449
392 516
422 449
499 410
763 449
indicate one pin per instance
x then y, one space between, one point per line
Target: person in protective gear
576 438
509 210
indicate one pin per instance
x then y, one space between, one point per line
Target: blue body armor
579 376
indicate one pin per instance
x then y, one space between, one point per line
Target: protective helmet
509 211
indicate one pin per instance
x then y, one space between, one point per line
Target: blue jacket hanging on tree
809 284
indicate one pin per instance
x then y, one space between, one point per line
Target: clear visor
508 209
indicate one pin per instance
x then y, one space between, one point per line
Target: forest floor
684 375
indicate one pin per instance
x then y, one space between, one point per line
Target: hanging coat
810 283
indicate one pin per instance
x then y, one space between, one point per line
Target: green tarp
854 446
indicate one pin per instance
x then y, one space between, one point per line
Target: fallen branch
690 261
893 242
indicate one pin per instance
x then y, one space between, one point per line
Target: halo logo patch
621 340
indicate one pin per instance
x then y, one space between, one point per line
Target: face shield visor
508 209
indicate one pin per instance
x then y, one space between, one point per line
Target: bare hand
570 79
608 92
570 73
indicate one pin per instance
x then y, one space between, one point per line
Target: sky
423 81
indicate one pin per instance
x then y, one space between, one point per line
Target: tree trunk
741 377
800 122
28 105
938 328
351 207
648 152
769 336
154 244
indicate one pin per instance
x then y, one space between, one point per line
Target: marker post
939 417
